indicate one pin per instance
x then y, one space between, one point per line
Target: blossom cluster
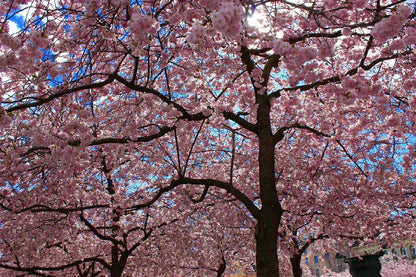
141 25
390 26
228 19
281 47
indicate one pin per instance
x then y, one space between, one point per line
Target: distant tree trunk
221 267
295 262
365 266
271 211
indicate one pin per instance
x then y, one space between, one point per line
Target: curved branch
42 101
162 131
55 268
337 79
255 212
37 208
315 35
185 114
228 187
240 121
95 231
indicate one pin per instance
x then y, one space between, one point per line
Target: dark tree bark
365 266
221 267
271 210
295 261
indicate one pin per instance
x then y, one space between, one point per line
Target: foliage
171 137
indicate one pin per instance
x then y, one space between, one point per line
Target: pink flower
141 25
281 47
228 19
389 27
196 34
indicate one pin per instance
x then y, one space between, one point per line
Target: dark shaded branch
245 58
64 92
201 197
95 231
258 52
37 208
273 61
382 59
161 191
322 157
351 158
35 149
334 79
185 114
54 268
207 182
228 187
178 154
279 135
221 267
310 129
315 35
337 79
312 240
241 121
185 167
162 131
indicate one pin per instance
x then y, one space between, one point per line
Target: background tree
132 105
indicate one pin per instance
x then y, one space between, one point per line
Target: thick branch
44 208
95 231
54 268
162 131
185 114
315 35
221 267
337 79
241 121
42 101
208 183
228 187
245 57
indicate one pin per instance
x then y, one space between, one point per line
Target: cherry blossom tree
129 126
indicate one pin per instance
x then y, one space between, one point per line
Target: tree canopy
174 137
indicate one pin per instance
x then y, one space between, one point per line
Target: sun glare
255 20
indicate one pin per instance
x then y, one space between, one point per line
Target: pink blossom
390 26
281 47
228 19
196 34
142 25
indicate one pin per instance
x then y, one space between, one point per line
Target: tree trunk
295 262
115 265
271 211
365 266
266 251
